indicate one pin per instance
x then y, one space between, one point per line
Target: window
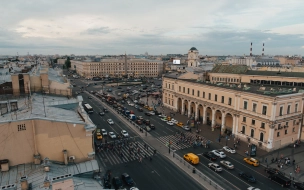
172 87
254 105
169 86
261 137
286 132
166 85
209 96
244 119
223 99
243 129
229 101
203 94
215 97
252 133
278 134
294 129
264 110
263 125
21 127
281 110
253 122
198 93
183 89
188 90
245 105
294 122
193 92
296 108
179 88
288 109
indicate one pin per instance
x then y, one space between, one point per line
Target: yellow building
118 68
263 108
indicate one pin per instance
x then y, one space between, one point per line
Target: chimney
65 157
24 183
263 50
251 49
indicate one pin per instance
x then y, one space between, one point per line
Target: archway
192 108
200 112
179 105
228 123
243 129
218 118
186 107
208 115
261 136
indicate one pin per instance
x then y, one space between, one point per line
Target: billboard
176 61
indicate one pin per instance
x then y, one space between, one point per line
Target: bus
88 108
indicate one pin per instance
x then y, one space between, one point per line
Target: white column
189 110
204 115
270 138
213 117
196 112
233 124
183 106
176 104
223 121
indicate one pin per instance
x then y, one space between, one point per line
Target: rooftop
58 175
44 107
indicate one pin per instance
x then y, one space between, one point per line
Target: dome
193 48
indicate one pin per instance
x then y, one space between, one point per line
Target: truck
132 117
127 112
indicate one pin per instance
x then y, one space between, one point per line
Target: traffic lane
157 174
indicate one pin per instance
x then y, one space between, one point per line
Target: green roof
233 69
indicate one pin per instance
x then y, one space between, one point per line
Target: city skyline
156 27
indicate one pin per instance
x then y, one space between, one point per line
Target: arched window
262 137
252 133
243 129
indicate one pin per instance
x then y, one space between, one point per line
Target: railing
195 171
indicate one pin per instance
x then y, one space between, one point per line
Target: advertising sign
176 61
253 150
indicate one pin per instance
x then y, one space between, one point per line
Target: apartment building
262 108
118 68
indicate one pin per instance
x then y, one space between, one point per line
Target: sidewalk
292 153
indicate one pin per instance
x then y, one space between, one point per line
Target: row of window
253 122
21 127
254 107
105 64
225 79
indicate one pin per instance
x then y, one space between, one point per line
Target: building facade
118 68
268 116
193 59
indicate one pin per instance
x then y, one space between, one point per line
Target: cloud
97 31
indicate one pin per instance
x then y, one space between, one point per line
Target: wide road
165 133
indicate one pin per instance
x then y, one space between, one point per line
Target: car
164 119
219 153
150 108
187 128
104 132
229 149
162 115
152 126
131 104
124 133
273 171
148 114
118 87
248 177
112 135
118 94
136 106
117 183
127 179
174 121
140 109
90 97
210 156
152 112
146 121
110 121
101 113
98 136
146 106
215 167
227 164
147 128
253 188
97 130
180 124
140 117
298 185
252 161
135 101
139 122
170 123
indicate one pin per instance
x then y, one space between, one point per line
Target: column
189 108
270 137
204 115
176 104
196 112
183 106
223 120
213 117
233 124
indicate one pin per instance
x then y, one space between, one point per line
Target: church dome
193 48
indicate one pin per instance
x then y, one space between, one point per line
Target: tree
68 63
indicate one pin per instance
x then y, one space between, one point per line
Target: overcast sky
98 27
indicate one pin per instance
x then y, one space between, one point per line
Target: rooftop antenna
263 50
251 49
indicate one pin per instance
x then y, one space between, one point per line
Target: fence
194 170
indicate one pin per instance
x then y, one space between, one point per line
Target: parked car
104 132
248 177
147 128
152 126
98 136
117 183
280 179
219 153
227 164
146 121
215 167
210 156
164 119
229 149
152 112
127 179
170 123
273 171
139 122
187 128
140 109
298 185
180 124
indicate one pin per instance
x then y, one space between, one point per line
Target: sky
98 27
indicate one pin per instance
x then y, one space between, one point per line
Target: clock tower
193 57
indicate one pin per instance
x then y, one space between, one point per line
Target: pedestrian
140 159
248 145
246 152
266 160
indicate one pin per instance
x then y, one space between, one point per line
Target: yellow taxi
169 118
150 108
252 161
98 136
180 124
146 106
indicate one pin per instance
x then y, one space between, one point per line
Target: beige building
193 59
262 108
40 126
118 68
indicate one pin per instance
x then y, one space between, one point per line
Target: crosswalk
176 143
127 153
